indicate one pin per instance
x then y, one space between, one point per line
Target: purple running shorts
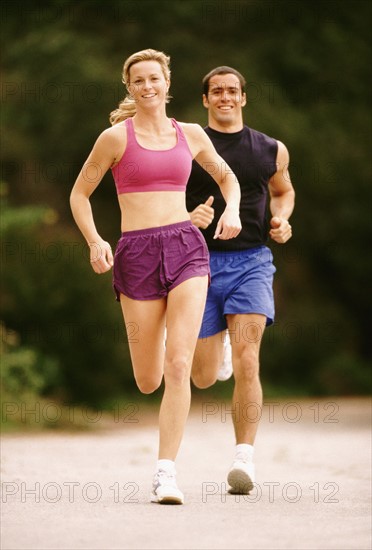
148 263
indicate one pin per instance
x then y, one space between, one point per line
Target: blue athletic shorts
241 282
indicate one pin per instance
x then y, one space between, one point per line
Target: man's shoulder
244 132
258 134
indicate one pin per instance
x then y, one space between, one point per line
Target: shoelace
168 477
242 458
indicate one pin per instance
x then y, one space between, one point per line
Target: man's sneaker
165 490
241 476
226 369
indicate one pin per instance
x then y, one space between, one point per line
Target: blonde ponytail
127 107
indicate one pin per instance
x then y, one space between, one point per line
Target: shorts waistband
157 230
244 253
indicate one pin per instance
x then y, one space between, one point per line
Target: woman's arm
229 224
98 162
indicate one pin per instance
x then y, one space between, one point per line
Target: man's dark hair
224 69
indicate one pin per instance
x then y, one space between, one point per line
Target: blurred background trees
307 66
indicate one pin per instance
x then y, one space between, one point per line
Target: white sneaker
241 476
226 369
165 490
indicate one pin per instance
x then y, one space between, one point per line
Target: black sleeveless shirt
251 155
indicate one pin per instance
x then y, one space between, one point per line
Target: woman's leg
145 324
183 312
185 309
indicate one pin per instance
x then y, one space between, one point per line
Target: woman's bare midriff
152 209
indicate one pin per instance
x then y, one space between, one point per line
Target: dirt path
91 490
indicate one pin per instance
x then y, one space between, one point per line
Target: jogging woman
161 262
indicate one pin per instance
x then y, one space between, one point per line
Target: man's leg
207 360
246 331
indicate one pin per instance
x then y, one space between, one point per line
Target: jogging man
240 301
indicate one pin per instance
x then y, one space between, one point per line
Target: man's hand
229 225
281 230
101 258
203 214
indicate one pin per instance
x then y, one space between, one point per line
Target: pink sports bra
142 170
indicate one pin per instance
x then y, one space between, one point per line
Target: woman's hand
101 257
229 225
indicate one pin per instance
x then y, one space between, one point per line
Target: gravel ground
90 490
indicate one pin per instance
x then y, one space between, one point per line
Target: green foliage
69 343
345 374
23 370
308 72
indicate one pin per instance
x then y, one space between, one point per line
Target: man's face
225 99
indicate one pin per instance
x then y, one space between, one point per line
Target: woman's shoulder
196 137
114 135
191 129
112 141
114 132
189 125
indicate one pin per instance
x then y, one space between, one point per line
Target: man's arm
282 198
203 214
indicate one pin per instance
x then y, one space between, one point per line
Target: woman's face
147 84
